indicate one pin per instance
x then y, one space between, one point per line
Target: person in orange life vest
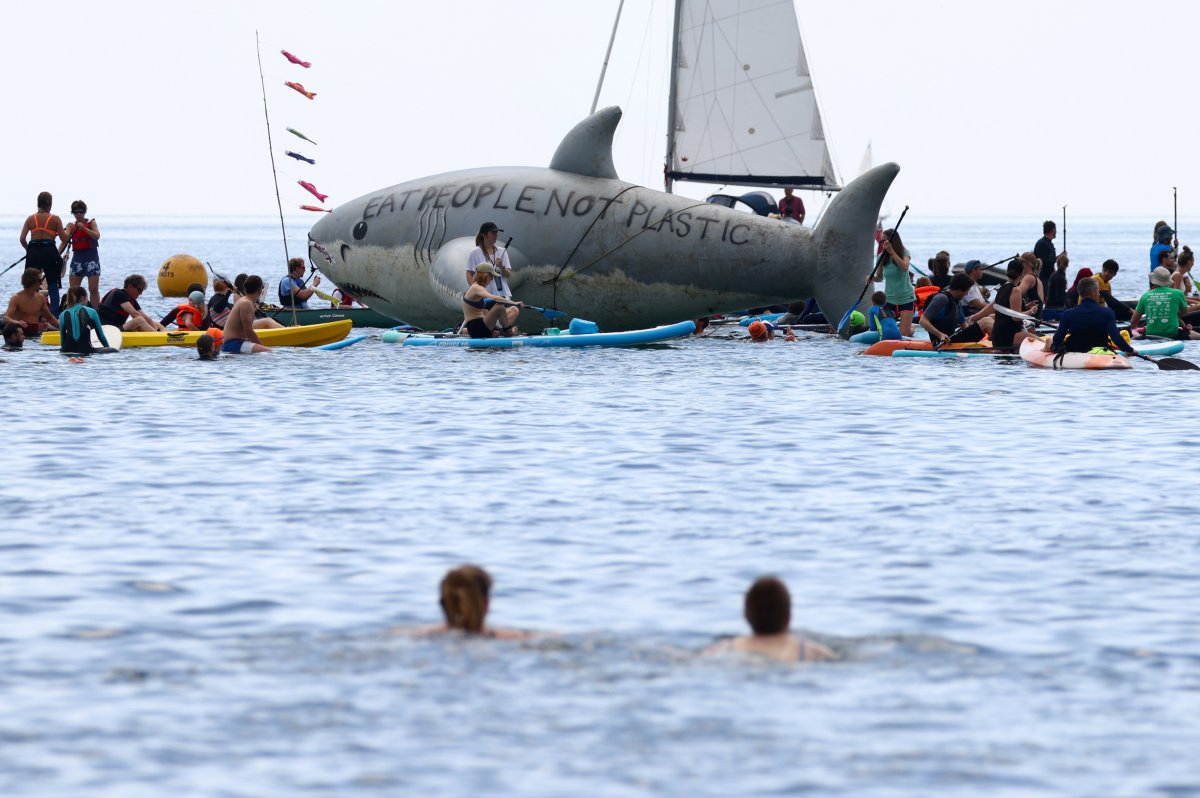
38 236
190 315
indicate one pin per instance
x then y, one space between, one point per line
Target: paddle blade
550 313
1175 364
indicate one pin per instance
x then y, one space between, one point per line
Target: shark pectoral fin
448 273
845 241
587 149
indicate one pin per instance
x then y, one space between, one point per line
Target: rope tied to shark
558 276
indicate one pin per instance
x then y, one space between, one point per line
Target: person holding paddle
892 268
1006 331
486 251
84 235
943 318
483 310
37 237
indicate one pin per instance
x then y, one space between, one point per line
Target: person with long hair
38 236
487 253
1007 332
465 596
892 268
77 322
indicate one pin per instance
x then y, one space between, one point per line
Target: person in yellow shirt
1108 271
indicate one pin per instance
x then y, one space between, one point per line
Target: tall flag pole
271 147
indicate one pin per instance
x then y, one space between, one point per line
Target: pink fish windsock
291 84
295 60
311 189
315 209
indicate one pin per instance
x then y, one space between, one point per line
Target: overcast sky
1013 108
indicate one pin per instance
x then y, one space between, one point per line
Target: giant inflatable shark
591 245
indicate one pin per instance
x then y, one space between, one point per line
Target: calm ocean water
200 562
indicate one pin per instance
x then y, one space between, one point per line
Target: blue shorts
237 346
85 263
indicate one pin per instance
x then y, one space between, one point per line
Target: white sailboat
742 107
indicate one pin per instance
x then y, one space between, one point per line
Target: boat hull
358 316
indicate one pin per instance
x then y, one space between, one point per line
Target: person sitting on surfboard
1007 332
1088 325
482 310
768 610
120 307
29 307
1163 307
944 320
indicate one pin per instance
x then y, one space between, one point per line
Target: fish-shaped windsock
291 84
311 189
316 209
298 156
298 134
295 60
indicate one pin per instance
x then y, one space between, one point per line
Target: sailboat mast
674 68
607 55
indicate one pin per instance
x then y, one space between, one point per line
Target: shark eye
359 231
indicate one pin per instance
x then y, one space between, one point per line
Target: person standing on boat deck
293 293
486 251
28 308
1108 271
1163 307
791 206
1044 250
37 238
84 235
1088 325
483 310
977 297
1006 332
944 319
240 337
768 609
892 268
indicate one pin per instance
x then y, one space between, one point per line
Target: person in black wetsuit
1044 250
481 310
1088 325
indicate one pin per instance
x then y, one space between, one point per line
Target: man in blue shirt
292 291
1089 324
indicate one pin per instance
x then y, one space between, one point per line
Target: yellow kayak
311 335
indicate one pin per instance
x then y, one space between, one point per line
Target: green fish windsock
295 132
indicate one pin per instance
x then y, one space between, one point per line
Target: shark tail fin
845 241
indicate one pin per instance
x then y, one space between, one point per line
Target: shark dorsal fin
587 149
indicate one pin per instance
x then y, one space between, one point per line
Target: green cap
857 319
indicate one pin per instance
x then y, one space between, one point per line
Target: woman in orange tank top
38 236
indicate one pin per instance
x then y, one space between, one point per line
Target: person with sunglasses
84 235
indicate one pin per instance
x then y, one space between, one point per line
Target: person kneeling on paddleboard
482 310
944 320
1088 325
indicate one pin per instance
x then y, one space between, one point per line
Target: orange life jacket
924 293
185 310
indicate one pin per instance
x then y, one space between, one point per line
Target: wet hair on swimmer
206 347
768 606
10 332
465 592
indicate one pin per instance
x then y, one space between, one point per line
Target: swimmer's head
768 606
464 601
758 331
14 335
206 347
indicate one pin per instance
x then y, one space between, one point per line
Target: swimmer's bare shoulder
441 629
783 648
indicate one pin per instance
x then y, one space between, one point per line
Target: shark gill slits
359 231
344 251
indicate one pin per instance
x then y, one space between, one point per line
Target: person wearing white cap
1163 308
486 251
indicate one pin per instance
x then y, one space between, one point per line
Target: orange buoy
178 272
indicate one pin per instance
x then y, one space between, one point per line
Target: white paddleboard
113 334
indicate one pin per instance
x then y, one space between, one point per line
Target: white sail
743 106
867 160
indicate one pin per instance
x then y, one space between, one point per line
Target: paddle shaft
14 264
1175 191
867 284
1064 228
